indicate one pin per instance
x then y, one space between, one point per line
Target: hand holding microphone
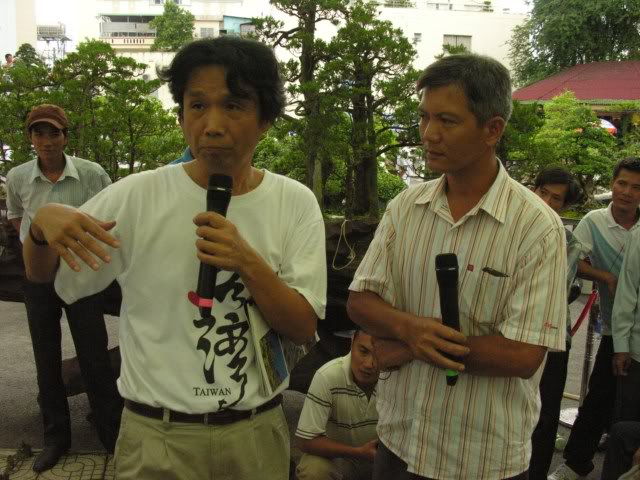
218 197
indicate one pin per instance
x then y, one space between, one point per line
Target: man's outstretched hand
75 236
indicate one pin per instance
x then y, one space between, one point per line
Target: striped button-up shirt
28 188
512 281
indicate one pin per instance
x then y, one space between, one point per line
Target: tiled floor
75 466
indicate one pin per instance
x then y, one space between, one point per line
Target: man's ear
494 129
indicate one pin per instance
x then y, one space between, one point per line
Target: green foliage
516 149
113 118
564 33
448 49
364 70
174 28
370 76
389 185
26 54
571 137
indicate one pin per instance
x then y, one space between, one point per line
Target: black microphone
447 274
218 198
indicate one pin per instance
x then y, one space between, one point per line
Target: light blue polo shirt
603 241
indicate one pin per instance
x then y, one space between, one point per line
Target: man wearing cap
57 177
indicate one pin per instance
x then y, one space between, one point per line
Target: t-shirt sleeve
105 180
14 203
304 264
316 410
583 233
106 205
375 273
537 309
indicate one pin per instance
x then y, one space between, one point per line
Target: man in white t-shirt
337 427
194 407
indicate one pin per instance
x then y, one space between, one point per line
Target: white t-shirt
171 357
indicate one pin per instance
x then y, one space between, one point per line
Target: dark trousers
624 440
543 439
86 322
595 413
628 395
388 465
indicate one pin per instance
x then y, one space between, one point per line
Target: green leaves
174 28
114 119
564 33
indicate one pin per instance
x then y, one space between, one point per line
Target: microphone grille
217 181
447 261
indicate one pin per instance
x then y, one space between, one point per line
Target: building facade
481 26
17 25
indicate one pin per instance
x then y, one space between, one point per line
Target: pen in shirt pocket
495 273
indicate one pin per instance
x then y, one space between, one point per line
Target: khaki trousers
312 467
150 449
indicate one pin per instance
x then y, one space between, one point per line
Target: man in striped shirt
57 177
337 427
512 293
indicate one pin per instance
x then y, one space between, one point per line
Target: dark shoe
49 457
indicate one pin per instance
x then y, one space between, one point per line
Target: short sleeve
375 272
316 409
583 233
304 265
537 309
14 203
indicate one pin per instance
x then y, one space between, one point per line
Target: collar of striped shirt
494 202
70 170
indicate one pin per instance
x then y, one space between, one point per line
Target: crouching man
337 428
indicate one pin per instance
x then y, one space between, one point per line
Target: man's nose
430 133
216 121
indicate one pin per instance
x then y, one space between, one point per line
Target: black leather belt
223 417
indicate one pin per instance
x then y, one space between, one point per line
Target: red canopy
608 81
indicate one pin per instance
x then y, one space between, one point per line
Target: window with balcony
457 40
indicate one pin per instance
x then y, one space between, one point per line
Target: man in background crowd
558 189
603 233
57 177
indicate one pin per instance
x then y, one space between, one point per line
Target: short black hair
246 62
629 163
485 82
560 176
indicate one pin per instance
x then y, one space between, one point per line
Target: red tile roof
593 81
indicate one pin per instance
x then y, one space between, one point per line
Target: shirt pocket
482 300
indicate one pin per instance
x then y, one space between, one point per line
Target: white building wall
489 31
17 25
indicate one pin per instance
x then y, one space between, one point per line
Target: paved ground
20 418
